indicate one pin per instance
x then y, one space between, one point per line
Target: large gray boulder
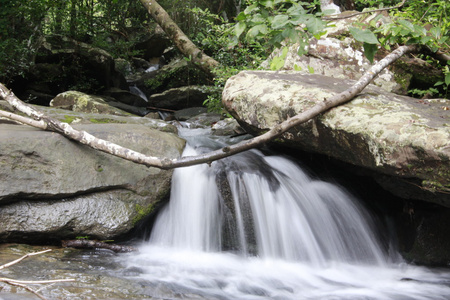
54 188
405 142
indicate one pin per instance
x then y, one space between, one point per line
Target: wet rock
179 98
96 274
398 136
187 113
177 73
126 97
228 126
424 237
204 120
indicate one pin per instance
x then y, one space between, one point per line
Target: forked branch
24 283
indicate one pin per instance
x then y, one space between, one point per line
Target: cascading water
138 92
258 227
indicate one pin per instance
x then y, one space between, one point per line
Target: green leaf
310 70
239 28
255 30
424 40
436 32
447 79
241 16
279 61
279 21
291 34
365 36
303 47
315 25
258 18
408 25
251 8
268 3
297 67
420 30
296 10
369 51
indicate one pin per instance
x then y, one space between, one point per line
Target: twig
27 288
22 258
23 120
23 283
363 12
4 279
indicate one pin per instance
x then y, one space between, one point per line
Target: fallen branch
83 243
22 258
165 163
363 12
23 283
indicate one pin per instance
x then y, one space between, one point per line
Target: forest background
239 34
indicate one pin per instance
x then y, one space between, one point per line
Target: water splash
258 227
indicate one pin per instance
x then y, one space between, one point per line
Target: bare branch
27 288
9 280
23 120
22 258
23 283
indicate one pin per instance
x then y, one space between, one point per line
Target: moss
105 121
68 119
142 212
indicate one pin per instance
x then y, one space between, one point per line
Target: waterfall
137 91
259 227
293 216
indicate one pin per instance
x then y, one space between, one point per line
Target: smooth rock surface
53 188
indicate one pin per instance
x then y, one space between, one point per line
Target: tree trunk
165 163
181 41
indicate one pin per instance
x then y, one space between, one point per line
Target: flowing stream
259 227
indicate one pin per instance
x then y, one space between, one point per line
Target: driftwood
89 244
47 123
24 283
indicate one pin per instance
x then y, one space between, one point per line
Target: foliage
260 27
19 26
212 35
273 22
426 23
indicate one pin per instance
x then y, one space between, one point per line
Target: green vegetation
238 36
426 23
142 212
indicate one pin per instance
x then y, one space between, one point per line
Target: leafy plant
272 22
446 82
